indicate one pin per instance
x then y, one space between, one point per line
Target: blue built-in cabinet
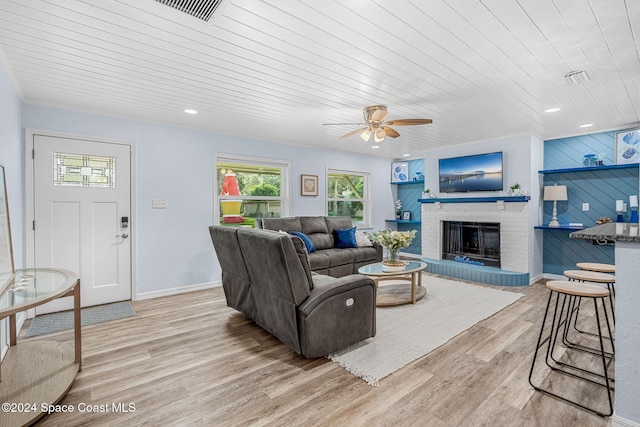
409 192
600 187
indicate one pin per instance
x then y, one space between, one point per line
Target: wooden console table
37 373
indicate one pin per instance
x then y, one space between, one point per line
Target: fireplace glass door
471 242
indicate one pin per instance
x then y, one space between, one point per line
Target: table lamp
555 193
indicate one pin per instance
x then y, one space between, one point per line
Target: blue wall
599 188
569 152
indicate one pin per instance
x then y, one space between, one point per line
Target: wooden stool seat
596 266
578 289
590 276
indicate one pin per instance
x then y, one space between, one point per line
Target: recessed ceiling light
588 125
406 155
552 110
190 111
375 146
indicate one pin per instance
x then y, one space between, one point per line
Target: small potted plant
515 189
398 209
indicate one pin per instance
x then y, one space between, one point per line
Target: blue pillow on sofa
346 238
307 241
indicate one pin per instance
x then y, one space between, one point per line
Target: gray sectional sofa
326 258
266 276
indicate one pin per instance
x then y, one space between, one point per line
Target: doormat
56 322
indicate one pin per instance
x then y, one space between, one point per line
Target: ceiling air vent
201 9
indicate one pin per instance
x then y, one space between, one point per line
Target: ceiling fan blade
344 124
353 133
408 122
390 132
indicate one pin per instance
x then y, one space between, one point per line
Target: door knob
123 235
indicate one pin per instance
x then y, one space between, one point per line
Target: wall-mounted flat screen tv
479 172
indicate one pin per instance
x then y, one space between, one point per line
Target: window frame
285 181
366 200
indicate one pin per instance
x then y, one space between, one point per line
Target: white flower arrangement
392 240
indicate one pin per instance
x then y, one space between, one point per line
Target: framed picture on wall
627 146
308 185
399 171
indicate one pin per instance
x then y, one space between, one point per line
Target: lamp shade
555 192
365 135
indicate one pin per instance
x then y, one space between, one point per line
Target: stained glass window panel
79 170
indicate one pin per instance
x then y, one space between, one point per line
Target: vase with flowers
393 241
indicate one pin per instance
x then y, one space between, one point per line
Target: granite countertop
609 232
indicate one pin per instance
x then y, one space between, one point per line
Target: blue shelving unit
590 168
409 192
477 199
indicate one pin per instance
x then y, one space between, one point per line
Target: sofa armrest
339 312
325 287
379 249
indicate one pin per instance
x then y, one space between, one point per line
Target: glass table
397 293
37 371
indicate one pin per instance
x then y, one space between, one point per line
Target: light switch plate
585 207
159 203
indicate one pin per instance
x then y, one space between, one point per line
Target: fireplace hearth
471 242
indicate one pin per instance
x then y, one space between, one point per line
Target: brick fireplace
512 218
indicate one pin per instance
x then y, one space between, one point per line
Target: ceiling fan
375 125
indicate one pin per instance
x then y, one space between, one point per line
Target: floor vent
201 9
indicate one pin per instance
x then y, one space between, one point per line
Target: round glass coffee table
397 293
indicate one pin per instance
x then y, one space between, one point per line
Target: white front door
82 215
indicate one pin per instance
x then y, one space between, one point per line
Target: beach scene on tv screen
481 172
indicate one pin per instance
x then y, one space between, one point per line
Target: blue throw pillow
307 241
346 238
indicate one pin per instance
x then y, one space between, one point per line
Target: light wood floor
188 360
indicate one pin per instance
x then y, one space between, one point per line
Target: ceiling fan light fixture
374 123
365 135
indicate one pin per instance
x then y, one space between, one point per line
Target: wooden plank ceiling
276 70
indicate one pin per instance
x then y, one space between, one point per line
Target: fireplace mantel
477 199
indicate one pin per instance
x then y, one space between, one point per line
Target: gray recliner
266 276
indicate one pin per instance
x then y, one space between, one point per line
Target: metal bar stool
596 266
600 268
560 359
596 277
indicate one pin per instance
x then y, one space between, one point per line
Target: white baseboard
617 421
535 279
178 290
554 276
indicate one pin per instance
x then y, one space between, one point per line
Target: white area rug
405 333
